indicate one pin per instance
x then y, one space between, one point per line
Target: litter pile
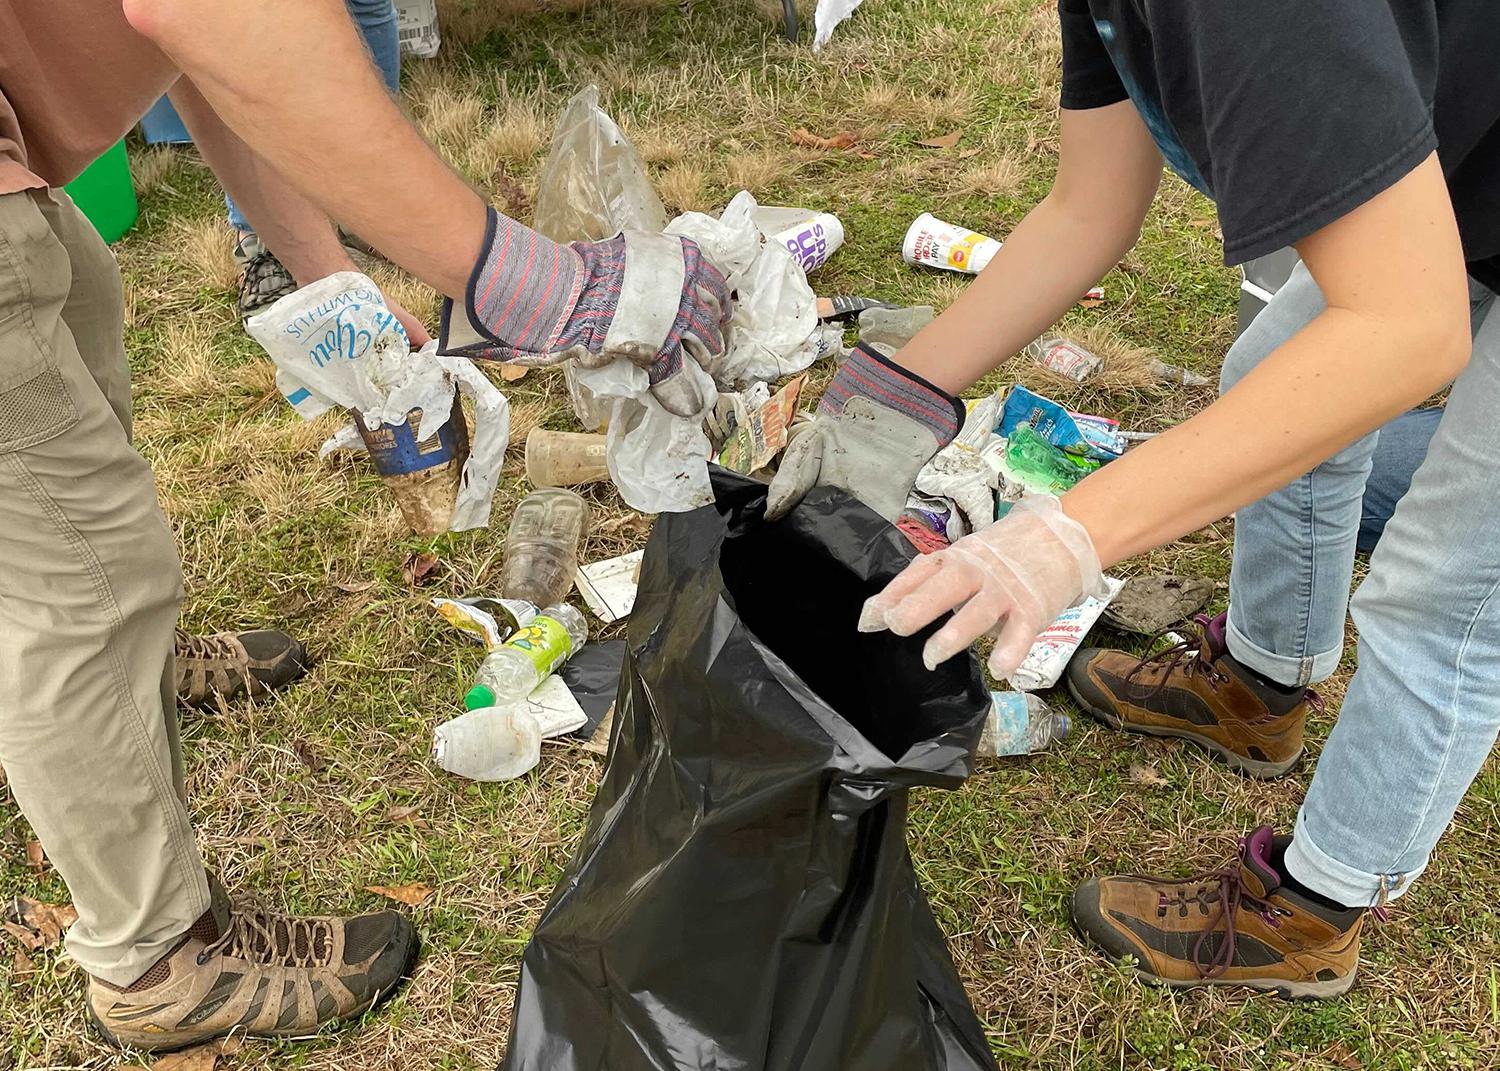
336 345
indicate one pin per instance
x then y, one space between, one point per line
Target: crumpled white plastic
773 333
957 473
335 343
594 185
826 17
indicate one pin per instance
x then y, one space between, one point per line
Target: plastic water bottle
489 744
541 548
512 671
1020 724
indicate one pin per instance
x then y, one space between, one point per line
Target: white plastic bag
335 343
826 17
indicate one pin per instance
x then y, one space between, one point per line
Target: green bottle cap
481 695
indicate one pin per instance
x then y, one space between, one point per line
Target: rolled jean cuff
1324 874
1283 669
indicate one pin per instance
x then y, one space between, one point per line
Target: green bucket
105 194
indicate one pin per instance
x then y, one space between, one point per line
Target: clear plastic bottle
541 548
488 744
1020 724
512 671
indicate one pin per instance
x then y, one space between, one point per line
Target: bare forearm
291 226
1340 377
1047 262
341 141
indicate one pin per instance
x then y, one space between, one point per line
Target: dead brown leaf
511 194
1090 302
943 141
24 964
354 587
1338 1053
969 154
844 139
36 857
308 757
413 895
203 1058
402 814
416 568
1146 775
512 372
37 925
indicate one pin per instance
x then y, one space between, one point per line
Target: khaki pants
89 591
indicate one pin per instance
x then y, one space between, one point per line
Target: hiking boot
263 278
1195 690
227 664
1243 925
244 970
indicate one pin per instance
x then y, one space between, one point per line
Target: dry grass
268 535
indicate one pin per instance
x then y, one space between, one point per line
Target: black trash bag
743 897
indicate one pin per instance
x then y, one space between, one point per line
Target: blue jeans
376 20
1423 708
1399 449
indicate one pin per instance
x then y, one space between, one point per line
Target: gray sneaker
247 971
263 279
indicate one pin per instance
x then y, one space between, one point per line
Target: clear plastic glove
1012 580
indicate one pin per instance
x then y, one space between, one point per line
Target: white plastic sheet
826 18
335 343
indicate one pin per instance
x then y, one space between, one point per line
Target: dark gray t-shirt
1292 113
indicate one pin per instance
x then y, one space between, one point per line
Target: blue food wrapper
1090 437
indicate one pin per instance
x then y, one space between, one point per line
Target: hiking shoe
1195 690
263 278
1242 925
227 664
244 970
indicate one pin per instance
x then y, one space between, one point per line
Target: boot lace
218 651
267 937
1223 892
1189 655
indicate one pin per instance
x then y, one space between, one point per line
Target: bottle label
545 641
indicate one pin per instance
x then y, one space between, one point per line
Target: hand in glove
1012 579
877 425
653 299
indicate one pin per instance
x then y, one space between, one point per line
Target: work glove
652 299
876 426
1012 580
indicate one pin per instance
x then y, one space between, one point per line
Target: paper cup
932 243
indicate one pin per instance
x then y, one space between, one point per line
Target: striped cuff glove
652 299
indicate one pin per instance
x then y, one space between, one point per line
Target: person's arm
291 226
1107 175
298 87
1396 329
881 420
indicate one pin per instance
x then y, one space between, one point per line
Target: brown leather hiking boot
229 663
246 971
1195 690
1238 926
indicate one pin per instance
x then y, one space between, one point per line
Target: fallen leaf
844 139
418 567
944 141
36 858
866 156
38 926
24 964
401 814
1090 302
1338 1053
308 757
512 194
412 895
512 372
354 587
203 1058
1146 775
968 154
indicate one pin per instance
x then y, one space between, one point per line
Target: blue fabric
1399 449
376 20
